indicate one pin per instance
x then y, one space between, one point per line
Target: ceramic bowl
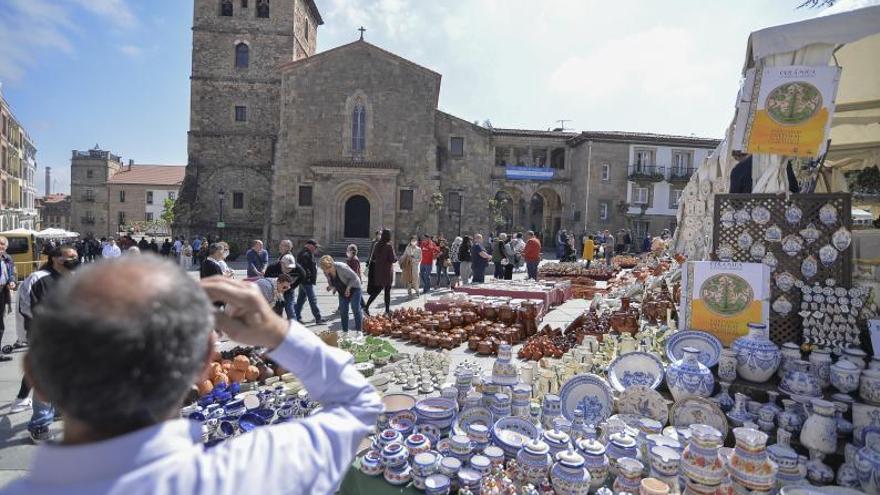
394 455
437 484
371 463
403 422
436 408
399 475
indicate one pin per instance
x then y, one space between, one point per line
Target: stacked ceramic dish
512 433
436 411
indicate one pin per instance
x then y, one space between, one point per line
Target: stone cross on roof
362 29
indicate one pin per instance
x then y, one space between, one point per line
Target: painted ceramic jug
757 357
688 377
820 429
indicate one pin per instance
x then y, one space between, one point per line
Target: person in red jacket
429 251
532 255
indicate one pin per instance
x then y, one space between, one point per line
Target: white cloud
27 27
131 50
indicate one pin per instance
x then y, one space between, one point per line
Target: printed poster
722 298
791 114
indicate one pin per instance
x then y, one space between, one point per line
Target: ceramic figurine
868 463
757 357
819 432
749 466
595 461
568 475
688 377
727 363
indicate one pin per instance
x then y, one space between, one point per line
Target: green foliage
167 215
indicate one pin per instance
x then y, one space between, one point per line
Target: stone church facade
338 144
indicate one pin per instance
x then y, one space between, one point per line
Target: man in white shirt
111 250
145 344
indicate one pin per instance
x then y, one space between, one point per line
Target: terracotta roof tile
164 175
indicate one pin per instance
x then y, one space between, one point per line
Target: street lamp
220 195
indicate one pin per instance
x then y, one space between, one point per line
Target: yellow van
24 249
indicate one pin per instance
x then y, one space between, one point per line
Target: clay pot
457 319
445 324
484 347
433 341
473 343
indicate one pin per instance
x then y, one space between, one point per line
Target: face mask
71 264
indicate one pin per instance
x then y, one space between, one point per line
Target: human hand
347 293
246 317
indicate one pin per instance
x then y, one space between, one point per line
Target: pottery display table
440 304
358 483
551 293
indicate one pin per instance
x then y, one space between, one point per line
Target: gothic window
226 8
242 55
306 31
359 129
263 8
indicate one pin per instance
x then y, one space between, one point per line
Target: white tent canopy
56 234
19 232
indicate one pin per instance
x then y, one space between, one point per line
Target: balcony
680 174
90 198
646 173
87 220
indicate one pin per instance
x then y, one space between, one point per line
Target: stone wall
80 184
610 192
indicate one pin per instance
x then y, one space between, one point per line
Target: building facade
109 197
356 142
53 212
18 165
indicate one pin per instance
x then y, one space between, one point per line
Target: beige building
108 197
53 212
18 167
351 140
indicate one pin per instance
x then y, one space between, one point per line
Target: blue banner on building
529 173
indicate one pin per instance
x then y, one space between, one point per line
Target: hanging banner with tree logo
791 114
722 298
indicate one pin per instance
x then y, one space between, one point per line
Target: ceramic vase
688 377
848 472
749 466
757 357
800 380
790 351
569 475
595 461
819 432
740 415
723 398
533 461
869 386
820 362
868 463
727 365
700 461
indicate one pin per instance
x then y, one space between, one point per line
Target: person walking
306 259
532 255
608 246
382 261
498 255
62 260
479 259
345 283
409 264
426 264
111 250
443 263
456 262
186 256
646 243
465 259
589 250
353 262
257 259
508 260
7 285
130 438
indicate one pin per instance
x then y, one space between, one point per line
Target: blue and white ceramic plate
708 345
590 393
472 415
635 368
697 410
512 432
643 401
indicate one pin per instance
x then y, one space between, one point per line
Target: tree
167 215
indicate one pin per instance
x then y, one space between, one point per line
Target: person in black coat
306 259
211 266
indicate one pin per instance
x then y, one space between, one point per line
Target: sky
116 72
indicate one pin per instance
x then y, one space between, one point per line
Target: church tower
234 111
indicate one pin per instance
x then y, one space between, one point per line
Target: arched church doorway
505 211
357 217
545 215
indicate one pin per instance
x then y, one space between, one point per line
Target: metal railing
681 173
646 172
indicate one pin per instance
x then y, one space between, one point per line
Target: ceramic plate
635 368
472 415
512 432
708 345
589 392
697 410
643 401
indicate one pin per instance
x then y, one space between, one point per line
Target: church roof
646 138
357 43
533 133
160 175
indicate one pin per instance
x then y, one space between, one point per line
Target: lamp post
220 195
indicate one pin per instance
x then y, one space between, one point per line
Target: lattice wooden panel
787 328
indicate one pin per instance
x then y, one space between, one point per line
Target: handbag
447 263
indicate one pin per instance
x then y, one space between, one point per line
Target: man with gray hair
128 338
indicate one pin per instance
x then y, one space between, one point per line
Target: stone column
531 157
547 162
510 156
